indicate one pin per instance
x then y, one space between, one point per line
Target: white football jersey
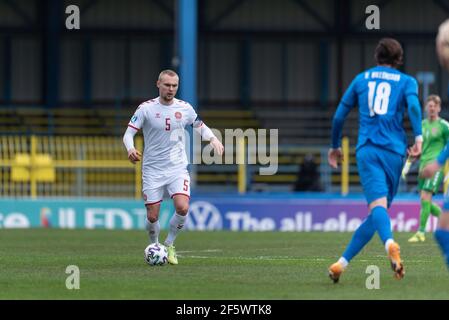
164 136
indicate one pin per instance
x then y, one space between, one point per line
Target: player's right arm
347 103
128 140
134 125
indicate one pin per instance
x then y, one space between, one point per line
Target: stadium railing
39 166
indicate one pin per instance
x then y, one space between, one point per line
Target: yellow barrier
67 166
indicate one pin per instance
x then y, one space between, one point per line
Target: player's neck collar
386 66
167 105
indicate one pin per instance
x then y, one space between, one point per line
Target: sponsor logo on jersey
133 119
178 115
158 115
434 131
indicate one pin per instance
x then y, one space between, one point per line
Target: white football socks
153 231
387 244
343 262
176 224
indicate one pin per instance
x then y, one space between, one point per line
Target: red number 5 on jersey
167 124
186 185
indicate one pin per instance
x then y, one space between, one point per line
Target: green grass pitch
212 265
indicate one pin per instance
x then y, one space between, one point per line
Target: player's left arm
207 134
415 116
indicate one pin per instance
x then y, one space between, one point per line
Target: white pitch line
405 261
181 254
207 250
253 258
277 258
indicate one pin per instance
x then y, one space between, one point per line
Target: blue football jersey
381 94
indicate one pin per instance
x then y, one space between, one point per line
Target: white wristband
418 138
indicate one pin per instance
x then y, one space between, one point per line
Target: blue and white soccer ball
156 254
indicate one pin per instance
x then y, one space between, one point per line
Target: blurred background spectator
308 175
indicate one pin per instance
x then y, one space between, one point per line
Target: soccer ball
156 254
442 44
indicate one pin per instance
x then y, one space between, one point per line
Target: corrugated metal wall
145 57
302 72
272 15
108 69
126 14
284 69
71 85
266 71
8 17
219 70
26 82
2 69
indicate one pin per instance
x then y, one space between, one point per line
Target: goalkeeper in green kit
435 133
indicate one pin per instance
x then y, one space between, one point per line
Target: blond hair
435 98
169 72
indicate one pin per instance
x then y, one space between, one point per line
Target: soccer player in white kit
163 120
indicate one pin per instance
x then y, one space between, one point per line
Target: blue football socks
382 224
442 237
361 237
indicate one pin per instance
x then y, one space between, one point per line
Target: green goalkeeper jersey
435 136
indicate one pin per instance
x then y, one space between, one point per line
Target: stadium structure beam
165 8
314 14
226 12
9 30
341 26
187 48
19 11
51 51
323 67
245 72
162 5
88 6
202 8
186 36
87 75
7 71
284 71
235 34
442 4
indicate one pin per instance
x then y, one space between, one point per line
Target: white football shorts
153 189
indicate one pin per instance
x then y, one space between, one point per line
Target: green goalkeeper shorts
432 184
